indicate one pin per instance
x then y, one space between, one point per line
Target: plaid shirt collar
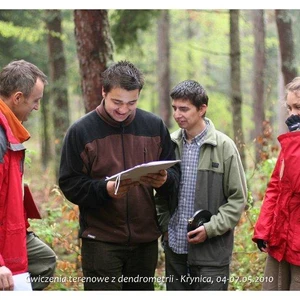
199 137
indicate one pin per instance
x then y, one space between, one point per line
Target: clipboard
31 209
141 170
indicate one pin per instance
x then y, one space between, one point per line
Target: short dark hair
122 74
190 90
20 75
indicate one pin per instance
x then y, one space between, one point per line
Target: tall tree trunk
287 57
286 44
281 112
94 50
163 67
59 90
235 77
46 144
259 64
189 34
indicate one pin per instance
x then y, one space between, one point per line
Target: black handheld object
261 244
293 122
198 219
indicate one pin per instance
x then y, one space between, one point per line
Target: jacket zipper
125 167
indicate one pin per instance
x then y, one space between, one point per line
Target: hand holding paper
118 189
156 180
138 171
6 279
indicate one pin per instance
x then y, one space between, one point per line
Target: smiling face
120 103
22 107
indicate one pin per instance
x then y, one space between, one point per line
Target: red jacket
279 219
13 253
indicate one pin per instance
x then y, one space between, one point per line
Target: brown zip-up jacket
96 146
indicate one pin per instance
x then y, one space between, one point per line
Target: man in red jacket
277 231
21 89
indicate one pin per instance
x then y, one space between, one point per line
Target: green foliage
266 167
259 180
47 228
126 24
247 264
74 87
22 36
247 267
28 154
22 33
195 54
219 105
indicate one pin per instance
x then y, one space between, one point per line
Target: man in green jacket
212 180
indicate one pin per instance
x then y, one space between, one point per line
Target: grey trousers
41 262
281 276
180 276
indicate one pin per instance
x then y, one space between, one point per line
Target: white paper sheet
22 282
141 170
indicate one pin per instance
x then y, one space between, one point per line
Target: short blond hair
293 86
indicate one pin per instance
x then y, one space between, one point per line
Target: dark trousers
109 266
198 278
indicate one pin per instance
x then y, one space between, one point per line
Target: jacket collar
18 130
101 111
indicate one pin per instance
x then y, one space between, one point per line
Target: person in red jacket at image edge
21 89
277 231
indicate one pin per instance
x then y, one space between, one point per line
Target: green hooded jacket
221 188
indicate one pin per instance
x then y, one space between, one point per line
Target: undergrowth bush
59 229
248 262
